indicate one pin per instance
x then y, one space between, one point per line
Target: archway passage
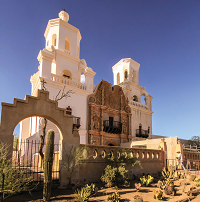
111 144
41 106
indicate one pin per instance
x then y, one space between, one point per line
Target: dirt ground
102 195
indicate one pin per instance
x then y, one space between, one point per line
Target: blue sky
163 36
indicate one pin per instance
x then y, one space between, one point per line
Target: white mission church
108 115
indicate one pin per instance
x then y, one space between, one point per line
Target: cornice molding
125 60
45 54
57 22
67 56
145 111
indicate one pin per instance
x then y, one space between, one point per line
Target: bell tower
126 70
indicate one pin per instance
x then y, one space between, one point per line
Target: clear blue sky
163 36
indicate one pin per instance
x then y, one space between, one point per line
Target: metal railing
26 156
142 133
112 127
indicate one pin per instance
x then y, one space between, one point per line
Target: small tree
73 157
115 174
194 141
13 179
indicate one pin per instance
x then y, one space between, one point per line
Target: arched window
83 78
48 43
67 43
54 40
135 98
143 99
118 78
67 74
126 74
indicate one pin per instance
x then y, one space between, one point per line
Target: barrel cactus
48 163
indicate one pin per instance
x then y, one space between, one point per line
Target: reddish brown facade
109 116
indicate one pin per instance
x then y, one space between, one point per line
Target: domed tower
60 68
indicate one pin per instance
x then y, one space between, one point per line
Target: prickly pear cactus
48 162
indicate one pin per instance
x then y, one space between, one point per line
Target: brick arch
12 114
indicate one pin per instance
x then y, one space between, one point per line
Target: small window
54 39
126 74
67 43
48 43
148 130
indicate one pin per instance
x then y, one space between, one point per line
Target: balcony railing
67 81
142 133
112 127
138 104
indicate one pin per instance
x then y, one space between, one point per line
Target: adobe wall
92 168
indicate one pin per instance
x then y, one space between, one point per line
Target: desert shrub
115 197
146 181
158 194
115 176
85 193
16 178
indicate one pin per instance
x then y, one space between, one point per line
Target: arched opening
67 43
67 74
26 146
111 144
47 43
126 74
118 78
135 98
143 99
82 78
54 39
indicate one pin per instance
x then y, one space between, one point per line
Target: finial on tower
63 15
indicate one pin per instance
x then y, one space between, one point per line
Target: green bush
146 181
114 176
16 178
86 192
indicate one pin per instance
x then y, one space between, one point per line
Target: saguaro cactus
48 163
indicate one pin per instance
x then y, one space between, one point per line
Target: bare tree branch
63 94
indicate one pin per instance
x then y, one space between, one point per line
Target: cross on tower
43 82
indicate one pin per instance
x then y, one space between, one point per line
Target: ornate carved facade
109 116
